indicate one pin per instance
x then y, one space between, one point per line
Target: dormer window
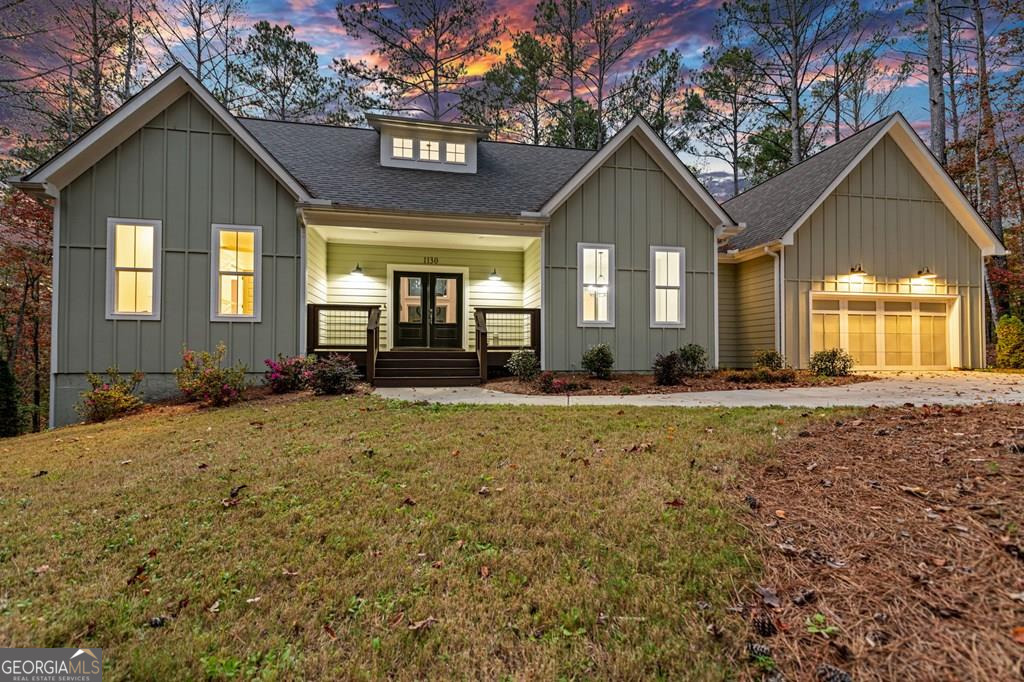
401 148
455 152
430 150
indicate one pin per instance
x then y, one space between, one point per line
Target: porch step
427 368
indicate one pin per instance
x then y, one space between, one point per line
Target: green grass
530 540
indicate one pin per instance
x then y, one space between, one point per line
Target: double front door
427 309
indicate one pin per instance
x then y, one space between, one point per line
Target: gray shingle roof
771 208
343 165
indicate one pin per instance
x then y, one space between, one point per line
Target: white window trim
681 324
157 225
412 151
419 150
257 281
465 153
580 322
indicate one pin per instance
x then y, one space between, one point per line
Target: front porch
422 307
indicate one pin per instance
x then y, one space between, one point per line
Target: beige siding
631 203
184 169
316 267
886 218
746 309
728 316
531 275
372 287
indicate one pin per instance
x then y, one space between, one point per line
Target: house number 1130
430 260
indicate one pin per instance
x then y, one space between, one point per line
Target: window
668 268
236 272
595 267
133 269
401 148
430 150
455 152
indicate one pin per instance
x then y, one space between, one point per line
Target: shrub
761 375
546 381
110 396
599 360
10 416
693 360
523 365
1010 342
834 362
287 374
768 359
201 378
332 374
667 369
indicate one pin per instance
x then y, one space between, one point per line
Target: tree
727 111
423 47
767 150
511 98
613 29
789 40
560 23
579 131
988 129
656 90
936 94
202 35
10 420
280 76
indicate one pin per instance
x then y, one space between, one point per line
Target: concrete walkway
920 388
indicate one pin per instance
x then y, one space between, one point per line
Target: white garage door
889 333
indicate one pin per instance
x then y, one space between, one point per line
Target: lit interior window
455 152
596 284
667 287
134 246
401 148
236 272
430 150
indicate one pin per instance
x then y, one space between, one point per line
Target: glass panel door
445 310
410 306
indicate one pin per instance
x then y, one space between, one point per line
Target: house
429 253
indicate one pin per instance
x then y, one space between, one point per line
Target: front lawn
355 538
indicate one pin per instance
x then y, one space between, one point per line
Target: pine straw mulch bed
901 527
629 384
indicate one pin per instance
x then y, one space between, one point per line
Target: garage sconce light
925 273
857 271
357 270
494 276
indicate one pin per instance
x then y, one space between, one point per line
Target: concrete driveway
897 388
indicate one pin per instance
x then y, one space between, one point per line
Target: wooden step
398 382
440 364
473 371
425 355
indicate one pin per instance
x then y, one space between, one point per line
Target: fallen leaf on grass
253 600
424 624
639 448
409 502
139 575
127 461
676 503
45 568
237 489
485 571
214 607
230 502
781 513
42 472
288 574
769 597
484 491
330 632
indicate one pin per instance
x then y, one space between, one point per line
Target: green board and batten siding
746 310
629 202
184 169
886 218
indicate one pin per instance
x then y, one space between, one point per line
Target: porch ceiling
423 238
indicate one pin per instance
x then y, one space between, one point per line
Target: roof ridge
815 155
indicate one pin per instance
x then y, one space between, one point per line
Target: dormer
426 144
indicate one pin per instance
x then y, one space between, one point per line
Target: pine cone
828 673
764 625
756 650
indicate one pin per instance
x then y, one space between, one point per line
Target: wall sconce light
925 273
357 270
494 276
857 271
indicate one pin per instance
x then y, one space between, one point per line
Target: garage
887 333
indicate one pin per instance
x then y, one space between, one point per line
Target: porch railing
505 329
340 327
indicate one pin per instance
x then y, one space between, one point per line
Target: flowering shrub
546 382
202 378
523 364
332 374
287 374
110 395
